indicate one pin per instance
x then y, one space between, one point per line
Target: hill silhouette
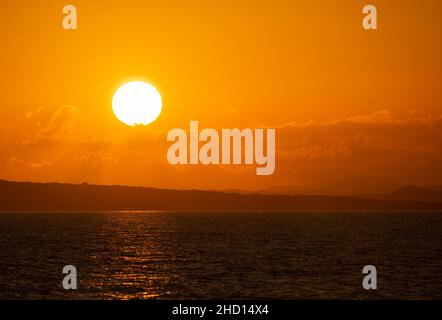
16 196
410 193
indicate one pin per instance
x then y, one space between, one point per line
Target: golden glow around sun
137 103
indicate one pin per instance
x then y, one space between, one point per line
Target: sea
220 255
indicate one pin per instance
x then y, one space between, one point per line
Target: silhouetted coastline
28 196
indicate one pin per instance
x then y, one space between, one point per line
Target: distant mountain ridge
409 193
27 196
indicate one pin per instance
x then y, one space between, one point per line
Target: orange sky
355 111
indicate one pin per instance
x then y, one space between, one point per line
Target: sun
137 103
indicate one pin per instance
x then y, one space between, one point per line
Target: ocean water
170 255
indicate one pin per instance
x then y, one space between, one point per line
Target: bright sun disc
137 103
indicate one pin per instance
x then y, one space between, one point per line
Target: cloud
377 145
347 155
32 113
62 120
382 116
57 131
14 161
